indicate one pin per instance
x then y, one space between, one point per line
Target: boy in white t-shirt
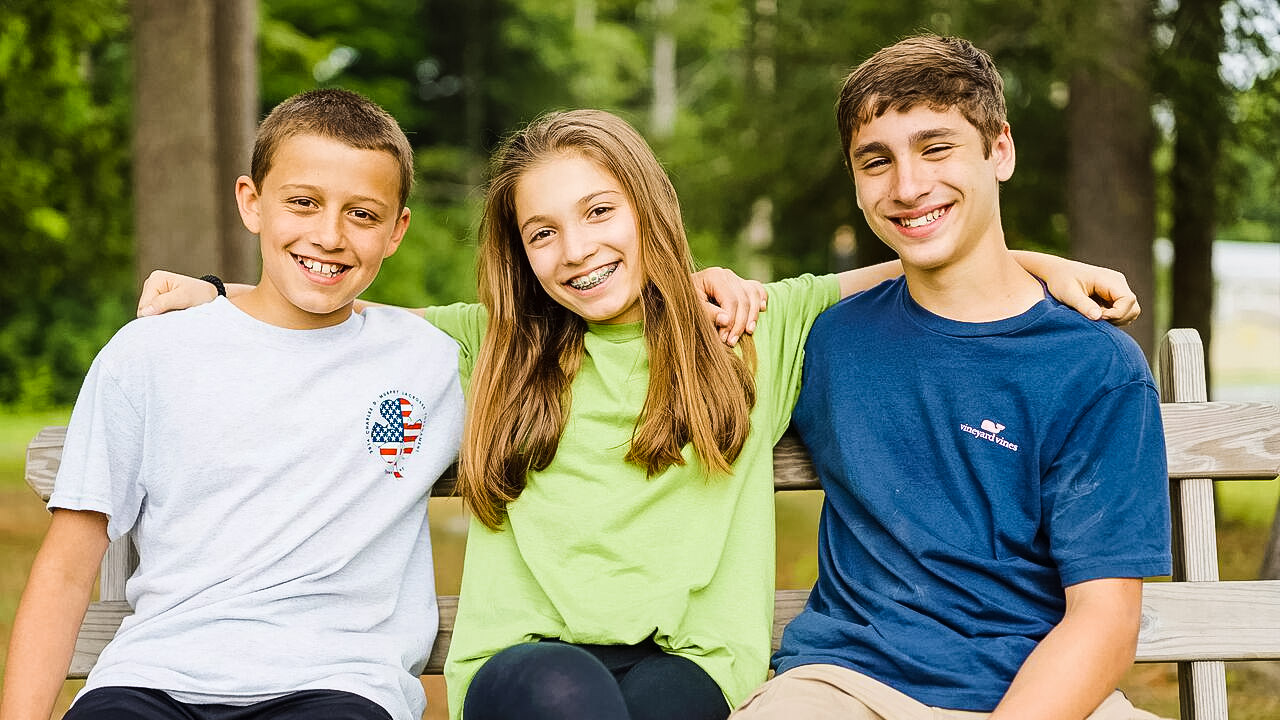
272 456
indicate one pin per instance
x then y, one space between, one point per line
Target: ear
1003 153
247 200
397 233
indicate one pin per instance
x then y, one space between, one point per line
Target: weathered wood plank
44 453
1228 620
104 618
1223 621
1225 441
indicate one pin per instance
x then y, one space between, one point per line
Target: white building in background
1246 321
1246 318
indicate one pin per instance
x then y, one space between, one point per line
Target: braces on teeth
593 278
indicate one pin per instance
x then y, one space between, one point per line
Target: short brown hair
938 72
338 114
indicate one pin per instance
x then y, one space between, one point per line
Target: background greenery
752 121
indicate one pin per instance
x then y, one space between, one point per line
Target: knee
543 680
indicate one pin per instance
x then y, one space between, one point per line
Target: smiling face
927 188
580 234
327 214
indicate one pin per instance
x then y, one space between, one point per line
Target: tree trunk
1110 178
756 240
662 117
1197 95
195 108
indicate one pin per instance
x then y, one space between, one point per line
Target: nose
911 181
577 245
330 234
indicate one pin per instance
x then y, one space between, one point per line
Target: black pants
133 703
552 680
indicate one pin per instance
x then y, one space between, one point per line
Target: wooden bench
1196 621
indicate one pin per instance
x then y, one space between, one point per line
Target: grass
1246 509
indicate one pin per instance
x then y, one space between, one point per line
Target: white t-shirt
276 481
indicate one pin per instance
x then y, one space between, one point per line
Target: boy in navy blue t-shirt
993 462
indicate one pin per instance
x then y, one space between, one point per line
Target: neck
983 287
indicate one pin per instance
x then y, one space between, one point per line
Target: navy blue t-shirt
972 471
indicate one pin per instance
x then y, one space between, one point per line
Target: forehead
894 127
325 162
559 182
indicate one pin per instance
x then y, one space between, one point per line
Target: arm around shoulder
50 612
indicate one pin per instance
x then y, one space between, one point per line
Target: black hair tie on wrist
216 282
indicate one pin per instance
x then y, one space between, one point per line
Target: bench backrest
1197 620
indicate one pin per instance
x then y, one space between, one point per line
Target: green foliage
64 146
755 86
1252 178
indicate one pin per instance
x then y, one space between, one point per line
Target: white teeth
593 278
321 268
922 220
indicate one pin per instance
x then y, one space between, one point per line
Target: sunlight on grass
1248 502
16 431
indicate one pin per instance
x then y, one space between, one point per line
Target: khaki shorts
830 691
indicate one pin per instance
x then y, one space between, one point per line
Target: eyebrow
876 147
584 200
361 199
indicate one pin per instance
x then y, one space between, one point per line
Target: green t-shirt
595 552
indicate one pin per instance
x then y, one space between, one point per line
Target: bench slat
1228 621
45 452
1219 440
103 620
1222 440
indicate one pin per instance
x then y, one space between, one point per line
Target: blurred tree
64 147
1110 178
1193 84
196 98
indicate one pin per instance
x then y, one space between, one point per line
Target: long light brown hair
700 392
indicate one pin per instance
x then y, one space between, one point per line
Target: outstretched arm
1095 292
731 302
164 291
1098 293
1080 662
50 612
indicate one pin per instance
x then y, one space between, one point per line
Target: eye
599 211
540 236
364 215
938 150
303 202
873 164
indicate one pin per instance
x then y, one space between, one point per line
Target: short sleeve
1106 495
102 456
466 323
780 337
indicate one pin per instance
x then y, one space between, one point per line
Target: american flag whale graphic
398 436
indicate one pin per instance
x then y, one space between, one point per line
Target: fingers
1122 311
164 291
1078 299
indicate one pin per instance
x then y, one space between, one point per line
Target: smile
923 220
323 269
593 278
